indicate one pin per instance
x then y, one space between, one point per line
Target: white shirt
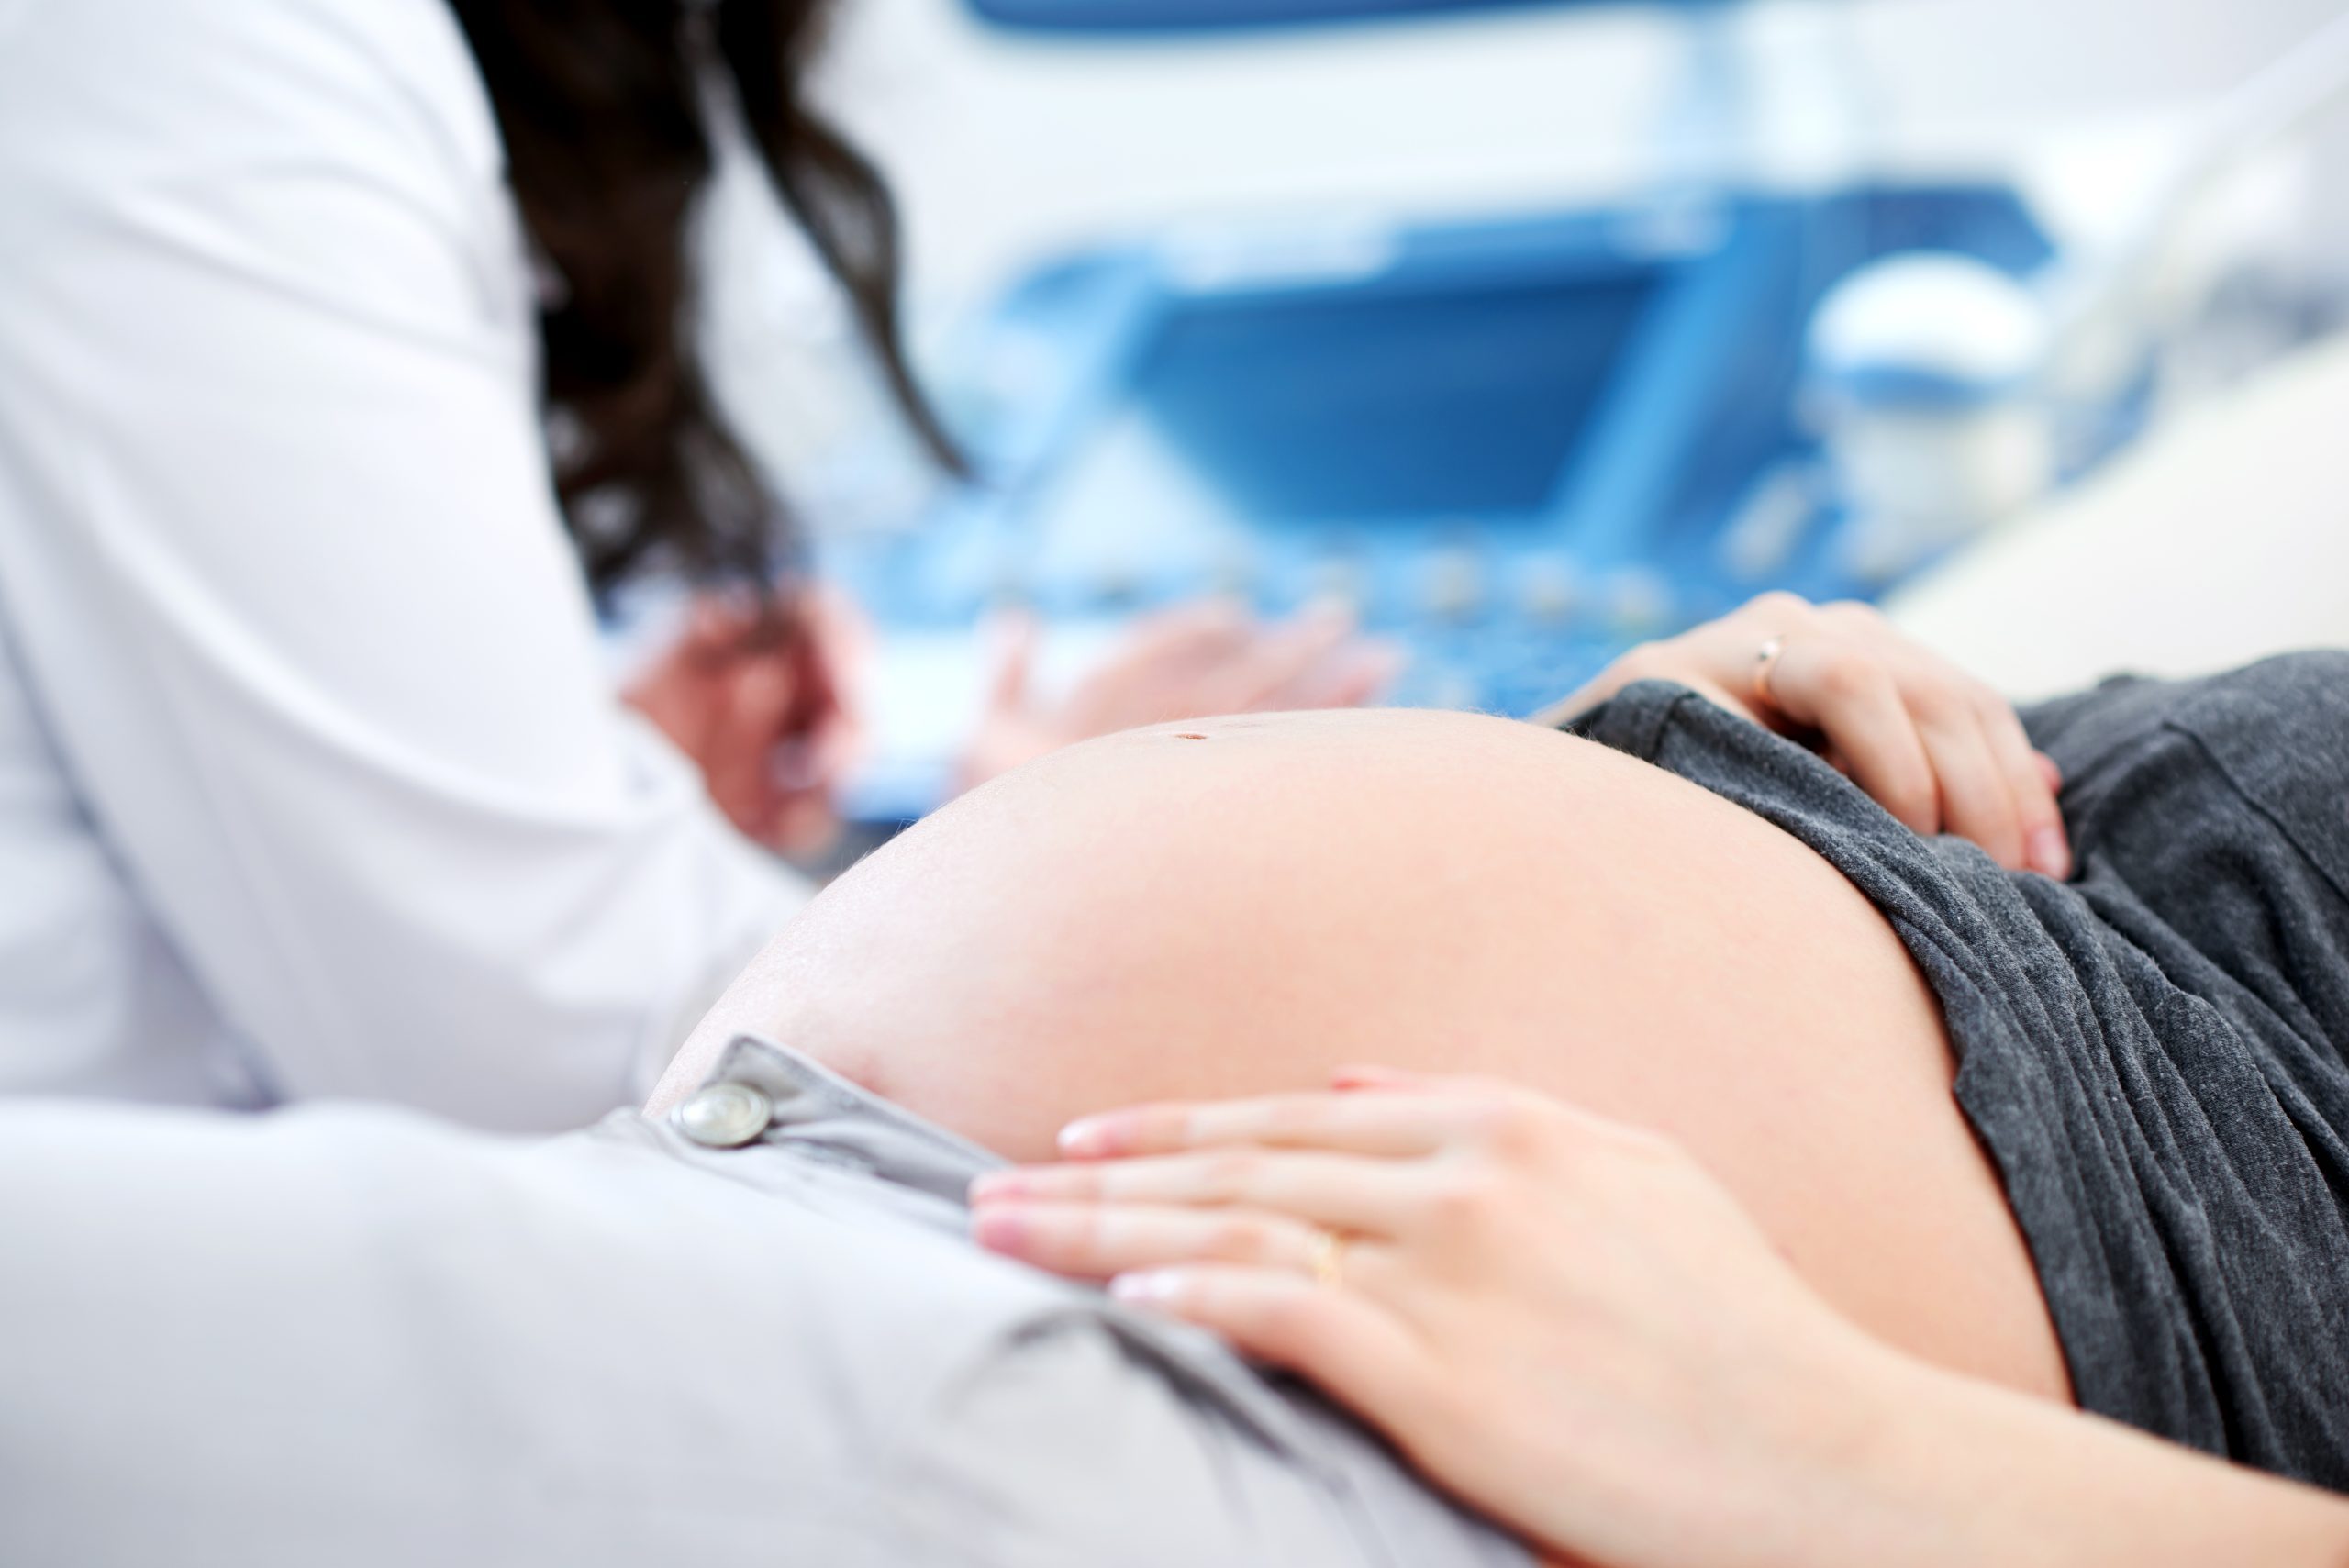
312 781
790 1352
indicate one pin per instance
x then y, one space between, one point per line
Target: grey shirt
2157 1053
355 1336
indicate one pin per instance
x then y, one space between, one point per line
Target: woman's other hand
1202 659
1567 1321
765 708
1936 748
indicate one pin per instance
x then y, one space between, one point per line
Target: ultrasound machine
1514 445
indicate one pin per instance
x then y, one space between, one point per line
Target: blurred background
1524 330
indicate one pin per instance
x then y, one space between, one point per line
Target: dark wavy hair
602 106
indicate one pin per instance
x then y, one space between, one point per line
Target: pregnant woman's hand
1936 748
1570 1325
1564 1320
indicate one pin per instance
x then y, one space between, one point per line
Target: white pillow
2223 539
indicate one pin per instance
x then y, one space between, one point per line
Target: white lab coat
312 781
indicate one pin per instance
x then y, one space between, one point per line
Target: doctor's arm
298 600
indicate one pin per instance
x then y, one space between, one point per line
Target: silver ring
1766 664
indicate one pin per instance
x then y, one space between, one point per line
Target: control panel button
1454 585
1639 603
1548 591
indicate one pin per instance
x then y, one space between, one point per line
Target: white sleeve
279 547
351 1336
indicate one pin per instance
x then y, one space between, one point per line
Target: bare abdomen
1161 916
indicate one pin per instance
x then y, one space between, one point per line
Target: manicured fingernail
994 1186
1000 1229
1094 1135
1147 1287
2049 854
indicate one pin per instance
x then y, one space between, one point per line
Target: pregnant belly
1242 905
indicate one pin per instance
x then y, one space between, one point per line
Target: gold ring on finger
1325 1258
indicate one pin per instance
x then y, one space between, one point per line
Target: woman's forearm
1571 1325
1972 1474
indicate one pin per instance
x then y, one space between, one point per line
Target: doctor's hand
764 708
1564 1320
1934 747
1203 659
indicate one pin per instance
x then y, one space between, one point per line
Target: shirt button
723 1116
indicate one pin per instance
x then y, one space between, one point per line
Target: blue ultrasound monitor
1511 445
1372 406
